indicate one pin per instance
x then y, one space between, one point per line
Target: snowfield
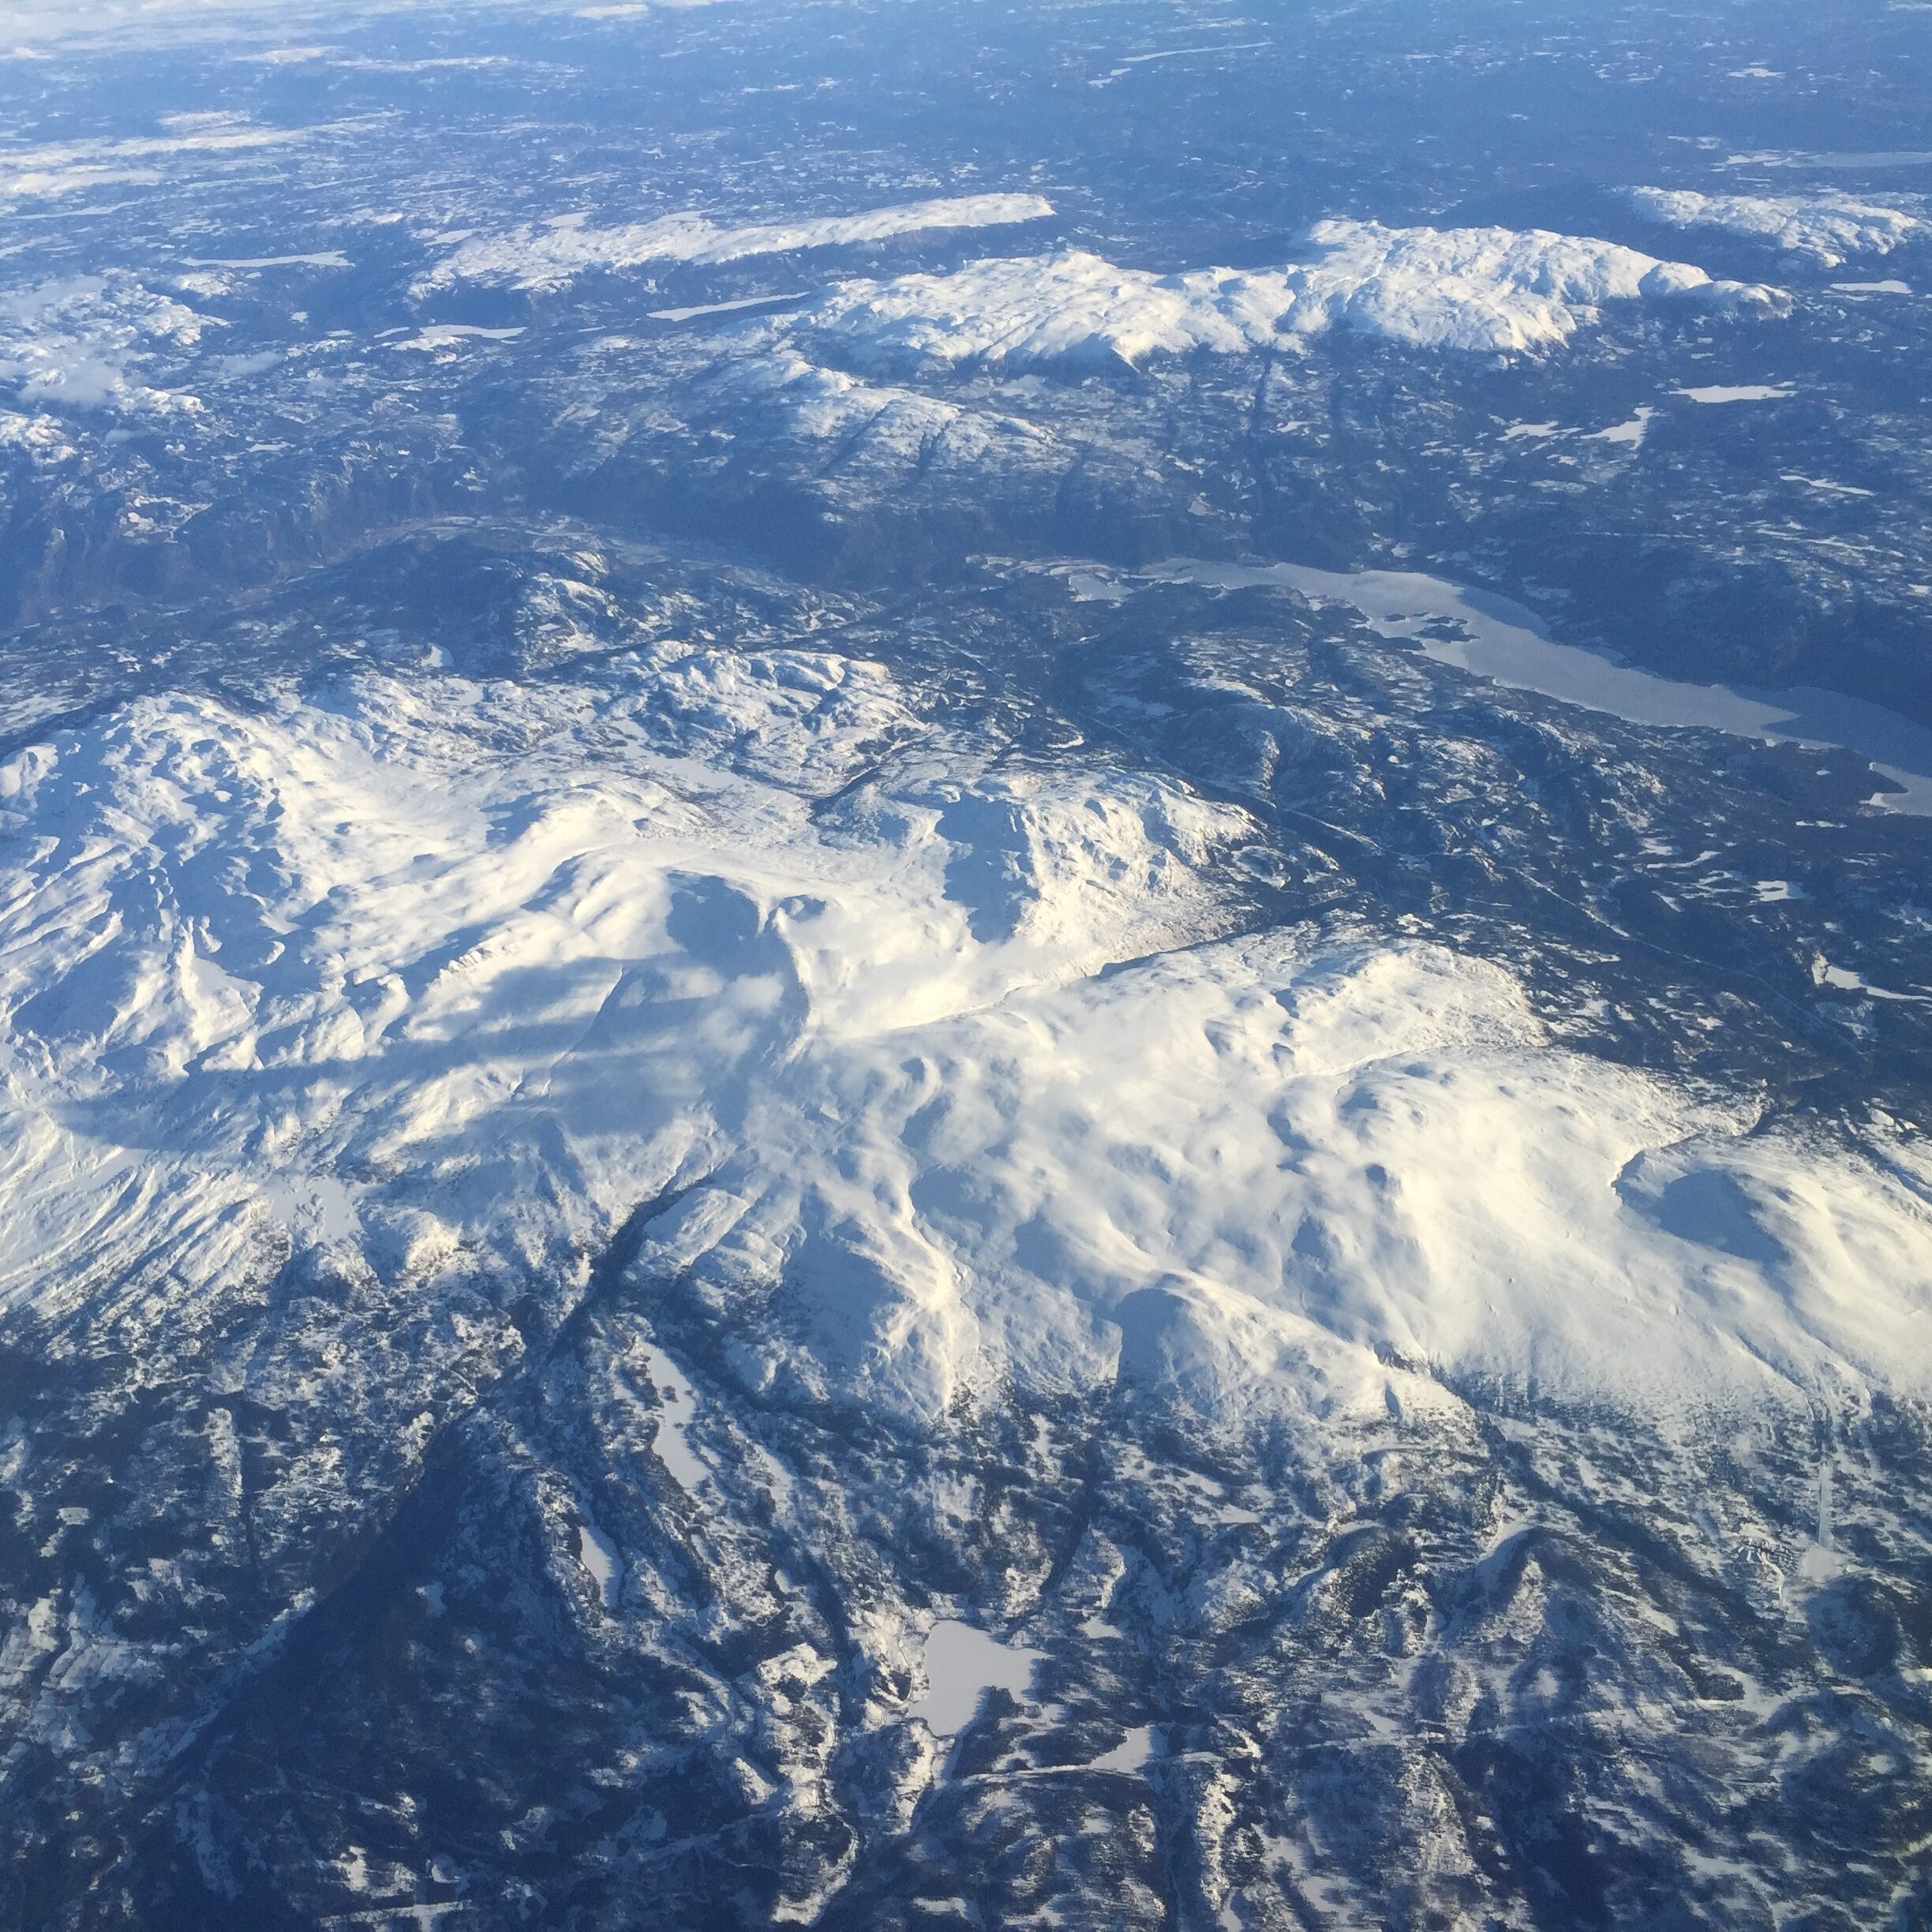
946 1078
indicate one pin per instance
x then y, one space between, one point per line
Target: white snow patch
1189 52
1090 587
285 56
1820 1559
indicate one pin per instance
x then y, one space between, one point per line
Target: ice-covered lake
1507 643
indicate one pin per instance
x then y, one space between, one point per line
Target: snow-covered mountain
1826 230
1468 289
376 1048
959 1085
963 968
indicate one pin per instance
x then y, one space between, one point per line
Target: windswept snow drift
1475 289
440 983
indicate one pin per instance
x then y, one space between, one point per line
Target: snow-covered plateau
1826 230
954 1085
1496 291
550 256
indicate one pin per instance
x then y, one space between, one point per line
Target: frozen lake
1507 643
676 1406
962 1665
